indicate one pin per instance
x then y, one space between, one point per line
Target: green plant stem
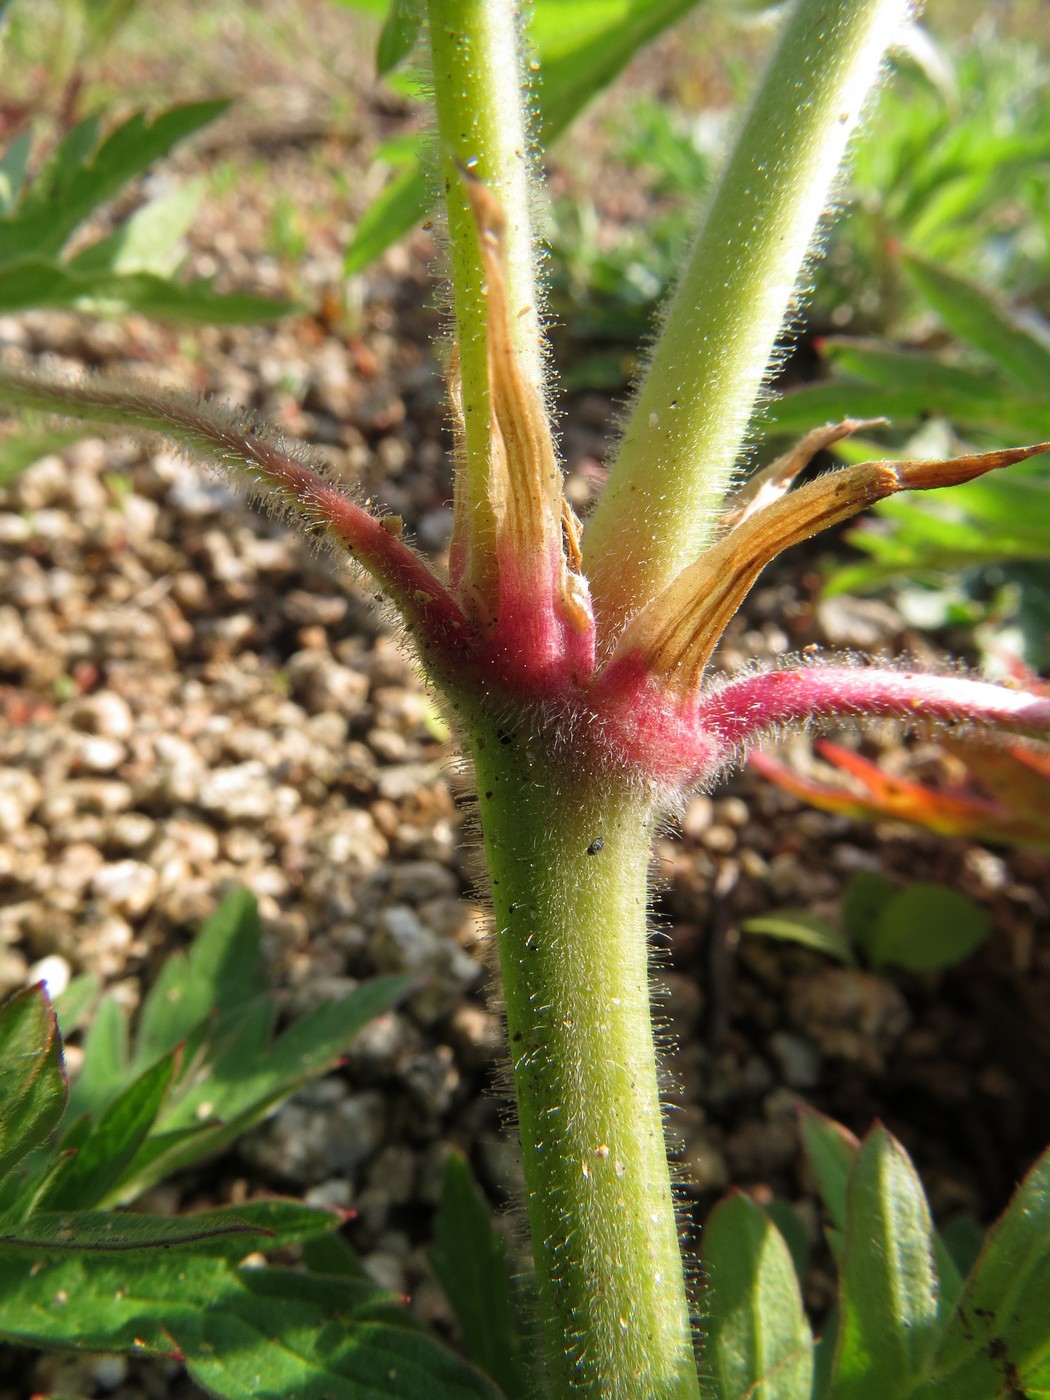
481 134
569 860
692 411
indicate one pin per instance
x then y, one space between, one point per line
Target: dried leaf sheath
540 619
677 632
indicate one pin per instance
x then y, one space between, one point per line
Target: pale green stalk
568 858
566 841
571 925
691 414
481 134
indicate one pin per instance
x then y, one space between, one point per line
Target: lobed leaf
221 971
109 1147
239 1078
149 240
83 174
108 1232
264 1333
35 282
758 1342
985 417
104 1063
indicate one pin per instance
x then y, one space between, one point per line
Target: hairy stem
273 470
569 861
482 136
738 712
692 411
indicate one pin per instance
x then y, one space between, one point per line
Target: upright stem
569 862
481 133
692 411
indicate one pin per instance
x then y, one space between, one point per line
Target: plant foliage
201 1065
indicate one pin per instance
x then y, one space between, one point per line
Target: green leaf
32 282
876 363
185 303
80 178
330 1254
758 1342
21 449
268 1344
832 1152
222 971
13 170
978 318
793 1232
32 1077
398 35
108 1232
997 1343
996 414
808 931
824 1357
244 1333
104 1066
582 48
72 1005
110 1146
926 926
865 898
401 205
238 1078
888 1281
150 240
469 1257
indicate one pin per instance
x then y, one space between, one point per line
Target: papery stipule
774 481
543 634
677 632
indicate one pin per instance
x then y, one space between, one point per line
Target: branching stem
691 414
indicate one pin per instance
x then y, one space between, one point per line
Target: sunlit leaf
470 1259
32 1077
888 1283
997 1343
758 1342
807 930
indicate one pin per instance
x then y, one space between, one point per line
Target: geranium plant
572 663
